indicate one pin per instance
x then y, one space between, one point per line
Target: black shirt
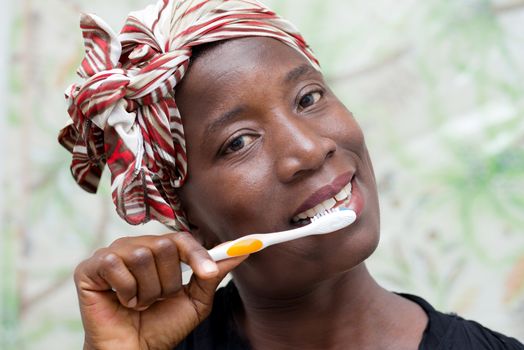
443 332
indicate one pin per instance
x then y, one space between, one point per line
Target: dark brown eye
309 99
238 143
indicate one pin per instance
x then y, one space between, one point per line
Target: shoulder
219 331
450 331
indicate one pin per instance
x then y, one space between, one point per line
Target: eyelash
227 146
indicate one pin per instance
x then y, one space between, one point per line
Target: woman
255 139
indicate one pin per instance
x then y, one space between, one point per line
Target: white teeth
310 213
341 195
330 203
319 208
348 188
344 194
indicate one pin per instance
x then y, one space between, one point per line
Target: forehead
234 71
243 54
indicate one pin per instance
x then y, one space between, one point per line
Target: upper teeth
344 194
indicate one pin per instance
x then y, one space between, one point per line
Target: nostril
330 147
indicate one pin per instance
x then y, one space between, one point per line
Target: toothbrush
326 222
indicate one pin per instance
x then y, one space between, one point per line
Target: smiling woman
255 142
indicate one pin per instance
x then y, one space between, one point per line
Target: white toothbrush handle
258 241
289 235
220 252
217 253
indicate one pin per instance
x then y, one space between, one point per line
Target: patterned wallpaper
436 85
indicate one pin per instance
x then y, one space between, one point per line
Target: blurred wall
436 85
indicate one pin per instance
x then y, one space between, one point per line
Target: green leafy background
436 85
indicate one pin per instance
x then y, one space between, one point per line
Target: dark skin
282 135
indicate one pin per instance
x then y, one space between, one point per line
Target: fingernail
132 303
209 267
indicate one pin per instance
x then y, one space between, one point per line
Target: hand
131 294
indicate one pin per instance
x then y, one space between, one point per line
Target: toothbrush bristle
324 213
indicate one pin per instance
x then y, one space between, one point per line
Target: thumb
202 290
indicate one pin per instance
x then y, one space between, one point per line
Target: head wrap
124 112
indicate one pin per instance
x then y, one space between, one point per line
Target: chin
291 269
357 250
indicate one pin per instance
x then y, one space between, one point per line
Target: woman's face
266 141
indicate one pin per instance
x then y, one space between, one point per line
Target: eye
238 143
309 99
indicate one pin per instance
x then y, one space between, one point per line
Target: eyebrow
221 121
292 76
297 72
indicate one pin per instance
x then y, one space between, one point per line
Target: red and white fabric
124 112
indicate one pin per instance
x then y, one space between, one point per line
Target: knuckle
182 236
108 263
110 260
141 255
165 245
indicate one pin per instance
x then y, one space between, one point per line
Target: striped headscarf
124 112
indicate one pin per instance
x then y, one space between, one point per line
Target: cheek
345 130
354 129
229 203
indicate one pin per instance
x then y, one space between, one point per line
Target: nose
302 148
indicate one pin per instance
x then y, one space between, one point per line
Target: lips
339 191
343 196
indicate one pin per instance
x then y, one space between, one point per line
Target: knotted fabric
124 112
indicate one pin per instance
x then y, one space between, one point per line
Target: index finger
195 255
